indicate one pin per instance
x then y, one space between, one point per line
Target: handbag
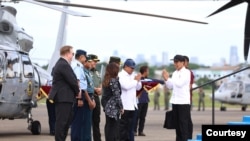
169 122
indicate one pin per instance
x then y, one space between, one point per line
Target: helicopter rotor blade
119 10
247 22
57 8
226 6
247 34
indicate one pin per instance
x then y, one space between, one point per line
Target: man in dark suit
63 92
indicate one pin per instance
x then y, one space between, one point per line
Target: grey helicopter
235 90
20 79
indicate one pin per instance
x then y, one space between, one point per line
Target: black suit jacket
64 86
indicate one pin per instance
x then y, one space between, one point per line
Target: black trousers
64 116
125 127
51 116
111 129
141 117
183 122
96 119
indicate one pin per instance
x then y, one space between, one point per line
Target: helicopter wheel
36 128
244 108
223 108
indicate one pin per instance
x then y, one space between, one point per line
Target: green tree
204 80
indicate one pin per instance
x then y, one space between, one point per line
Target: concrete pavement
16 130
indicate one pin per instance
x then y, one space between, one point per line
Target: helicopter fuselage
18 84
235 90
19 81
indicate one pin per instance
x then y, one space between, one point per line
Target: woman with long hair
111 102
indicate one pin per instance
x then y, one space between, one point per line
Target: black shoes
141 134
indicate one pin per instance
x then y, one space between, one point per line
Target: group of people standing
76 88
75 91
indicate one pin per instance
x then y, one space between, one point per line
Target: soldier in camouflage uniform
97 110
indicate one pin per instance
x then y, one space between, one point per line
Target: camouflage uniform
97 110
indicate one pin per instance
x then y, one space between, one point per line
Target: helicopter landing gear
222 107
244 108
34 126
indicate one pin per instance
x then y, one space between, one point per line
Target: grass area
208 100
42 101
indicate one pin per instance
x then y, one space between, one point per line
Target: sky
104 31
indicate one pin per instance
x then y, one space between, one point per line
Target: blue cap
81 52
130 63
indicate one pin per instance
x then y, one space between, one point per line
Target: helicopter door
246 96
11 83
240 90
236 92
28 83
2 61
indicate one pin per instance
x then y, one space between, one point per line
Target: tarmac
16 130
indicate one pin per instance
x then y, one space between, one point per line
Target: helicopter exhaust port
6 27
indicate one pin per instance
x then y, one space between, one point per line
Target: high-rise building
140 59
165 59
233 58
153 60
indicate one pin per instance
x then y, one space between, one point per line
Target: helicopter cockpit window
27 66
12 65
230 86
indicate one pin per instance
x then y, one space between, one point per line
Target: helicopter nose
222 95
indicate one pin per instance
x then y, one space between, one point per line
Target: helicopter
236 90
20 79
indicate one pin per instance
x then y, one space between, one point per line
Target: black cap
94 57
179 58
115 59
130 63
186 58
81 52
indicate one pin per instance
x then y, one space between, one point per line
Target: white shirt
129 86
80 75
10 72
180 83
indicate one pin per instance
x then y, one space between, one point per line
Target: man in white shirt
10 71
180 99
129 84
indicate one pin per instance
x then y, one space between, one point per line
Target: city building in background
233 57
165 58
